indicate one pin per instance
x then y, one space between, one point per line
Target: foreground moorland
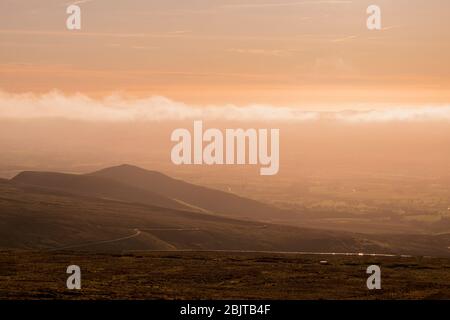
219 275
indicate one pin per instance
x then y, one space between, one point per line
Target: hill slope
39 219
93 186
208 199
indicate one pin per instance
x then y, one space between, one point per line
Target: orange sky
288 52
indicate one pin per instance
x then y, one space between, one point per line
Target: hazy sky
283 52
343 97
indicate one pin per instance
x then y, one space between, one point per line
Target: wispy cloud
391 27
284 4
79 2
116 108
343 39
169 34
356 36
261 52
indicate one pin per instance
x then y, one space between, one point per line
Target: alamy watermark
234 146
374 280
374 19
73 21
74 280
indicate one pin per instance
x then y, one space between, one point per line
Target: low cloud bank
116 108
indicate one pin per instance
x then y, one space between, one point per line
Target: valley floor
219 275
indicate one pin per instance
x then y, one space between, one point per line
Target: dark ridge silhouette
42 210
211 200
31 219
94 186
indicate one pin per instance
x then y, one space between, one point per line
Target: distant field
219 275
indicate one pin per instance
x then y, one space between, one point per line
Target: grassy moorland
219 275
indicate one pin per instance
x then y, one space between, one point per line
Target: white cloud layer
116 108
